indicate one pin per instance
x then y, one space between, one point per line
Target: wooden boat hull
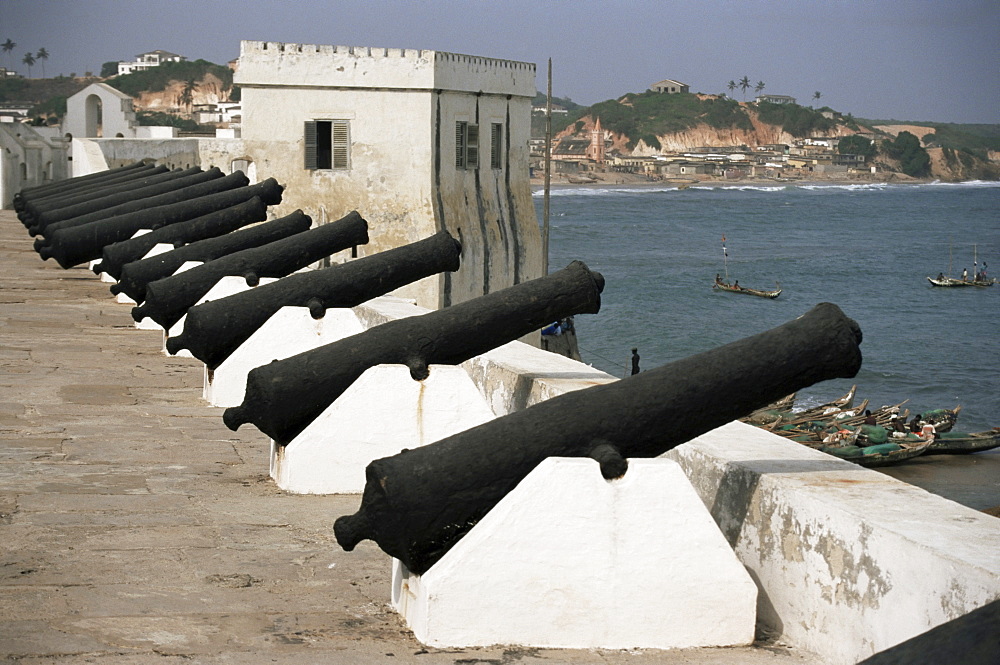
954 443
888 459
723 286
953 282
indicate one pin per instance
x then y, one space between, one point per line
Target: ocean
868 248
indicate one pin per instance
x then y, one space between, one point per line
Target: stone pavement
135 528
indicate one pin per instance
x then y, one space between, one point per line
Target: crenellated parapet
313 65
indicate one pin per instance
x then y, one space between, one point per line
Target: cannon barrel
212 186
213 330
30 209
79 244
283 397
217 223
168 299
49 188
57 210
419 503
137 275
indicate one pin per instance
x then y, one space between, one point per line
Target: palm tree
187 94
29 60
8 47
759 88
744 86
42 55
732 86
817 95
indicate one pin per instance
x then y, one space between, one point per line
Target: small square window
327 144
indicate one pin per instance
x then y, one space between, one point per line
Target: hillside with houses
668 134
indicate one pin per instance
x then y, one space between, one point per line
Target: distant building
148 60
775 99
670 87
9 74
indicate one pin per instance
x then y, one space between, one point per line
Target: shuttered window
496 145
466 145
327 144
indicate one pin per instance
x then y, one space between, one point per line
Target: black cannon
60 186
213 330
135 179
217 223
57 210
134 277
284 396
419 503
168 299
79 244
31 208
225 183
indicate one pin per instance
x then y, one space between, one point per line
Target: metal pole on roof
548 174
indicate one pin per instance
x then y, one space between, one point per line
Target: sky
917 60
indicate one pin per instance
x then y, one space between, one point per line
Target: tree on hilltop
42 55
817 95
732 86
759 88
745 85
29 60
856 145
8 48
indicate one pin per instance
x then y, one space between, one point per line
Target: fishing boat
978 278
951 443
941 280
734 287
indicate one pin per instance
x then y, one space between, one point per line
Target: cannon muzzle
419 503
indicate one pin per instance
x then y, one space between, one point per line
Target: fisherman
965 274
635 361
940 276
869 418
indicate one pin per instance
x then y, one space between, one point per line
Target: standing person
965 274
635 361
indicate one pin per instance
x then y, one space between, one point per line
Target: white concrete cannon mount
569 559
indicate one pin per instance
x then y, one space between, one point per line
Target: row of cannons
343 377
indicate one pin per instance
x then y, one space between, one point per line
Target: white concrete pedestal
148 323
291 330
382 413
158 248
571 560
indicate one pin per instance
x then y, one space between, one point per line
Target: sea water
868 248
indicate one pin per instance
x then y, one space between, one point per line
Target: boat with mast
978 277
734 287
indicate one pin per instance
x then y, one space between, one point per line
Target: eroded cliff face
954 166
704 135
209 90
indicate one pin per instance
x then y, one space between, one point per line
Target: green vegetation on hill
650 114
799 121
913 159
156 79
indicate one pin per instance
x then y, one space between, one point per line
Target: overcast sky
933 60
